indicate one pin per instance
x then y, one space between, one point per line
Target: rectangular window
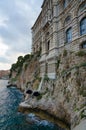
48 47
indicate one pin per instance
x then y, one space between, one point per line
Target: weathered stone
62 94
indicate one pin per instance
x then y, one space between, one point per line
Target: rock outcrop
64 98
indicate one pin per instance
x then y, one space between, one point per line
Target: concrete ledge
43 114
81 126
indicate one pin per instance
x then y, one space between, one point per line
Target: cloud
3 21
3 48
4 66
16 19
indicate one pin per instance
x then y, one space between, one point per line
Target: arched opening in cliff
36 94
29 91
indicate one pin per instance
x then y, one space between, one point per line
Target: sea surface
11 119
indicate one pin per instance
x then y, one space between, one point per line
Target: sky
16 19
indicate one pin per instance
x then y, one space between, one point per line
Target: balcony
46 24
46 21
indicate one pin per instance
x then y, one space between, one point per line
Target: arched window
46 68
83 45
47 47
67 20
65 3
83 26
82 7
69 35
34 49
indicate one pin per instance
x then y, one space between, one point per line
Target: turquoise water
11 119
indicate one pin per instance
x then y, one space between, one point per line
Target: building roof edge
43 3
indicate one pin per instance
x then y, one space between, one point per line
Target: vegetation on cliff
64 97
17 67
26 71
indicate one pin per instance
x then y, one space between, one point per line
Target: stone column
75 30
55 40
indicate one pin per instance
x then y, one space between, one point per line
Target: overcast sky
16 20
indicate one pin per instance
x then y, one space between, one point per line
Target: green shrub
13 79
39 97
46 78
39 79
82 64
57 64
81 53
26 65
83 115
65 53
76 109
27 57
82 91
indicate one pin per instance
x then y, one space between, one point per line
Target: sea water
11 119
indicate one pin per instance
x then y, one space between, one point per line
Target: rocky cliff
62 99
25 73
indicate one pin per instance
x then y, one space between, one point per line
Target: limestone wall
51 26
65 97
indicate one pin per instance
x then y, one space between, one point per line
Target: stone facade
60 26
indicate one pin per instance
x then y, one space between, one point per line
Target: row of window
69 34
82 30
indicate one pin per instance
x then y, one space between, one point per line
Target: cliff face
63 98
28 76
